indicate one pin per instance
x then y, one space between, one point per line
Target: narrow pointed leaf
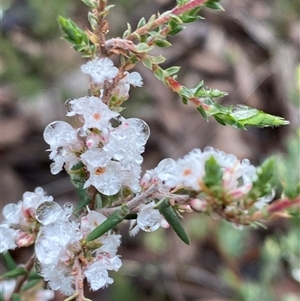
18 271
9 261
173 220
109 223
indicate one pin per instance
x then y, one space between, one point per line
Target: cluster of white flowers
188 173
103 70
20 227
59 246
109 145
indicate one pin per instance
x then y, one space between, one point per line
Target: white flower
7 238
64 144
100 70
150 219
19 227
108 180
95 113
121 91
97 276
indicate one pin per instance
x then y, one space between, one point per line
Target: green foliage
112 221
77 37
18 271
90 3
213 173
8 260
263 184
213 4
172 218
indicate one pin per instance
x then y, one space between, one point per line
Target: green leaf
16 297
162 204
172 70
156 59
184 100
142 22
9 261
92 20
263 184
73 33
185 92
159 73
143 48
30 284
109 223
162 43
176 30
172 218
214 5
213 173
202 112
147 62
90 3
250 116
18 271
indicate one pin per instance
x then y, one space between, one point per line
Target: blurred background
250 51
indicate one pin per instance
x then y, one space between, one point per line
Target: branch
165 17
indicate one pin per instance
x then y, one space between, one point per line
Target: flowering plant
103 159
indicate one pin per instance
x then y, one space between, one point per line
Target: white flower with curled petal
121 91
95 113
149 219
100 70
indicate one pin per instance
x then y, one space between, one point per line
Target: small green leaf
172 218
109 223
30 284
143 48
159 73
147 62
162 43
184 100
185 92
176 30
156 59
16 297
162 204
90 3
214 5
73 33
213 173
142 22
92 20
9 261
18 271
202 112
172 70
262 119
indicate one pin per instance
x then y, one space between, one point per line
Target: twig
165 17
28 266
134 203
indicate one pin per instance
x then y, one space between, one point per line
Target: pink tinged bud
198 205
24 239
240 192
